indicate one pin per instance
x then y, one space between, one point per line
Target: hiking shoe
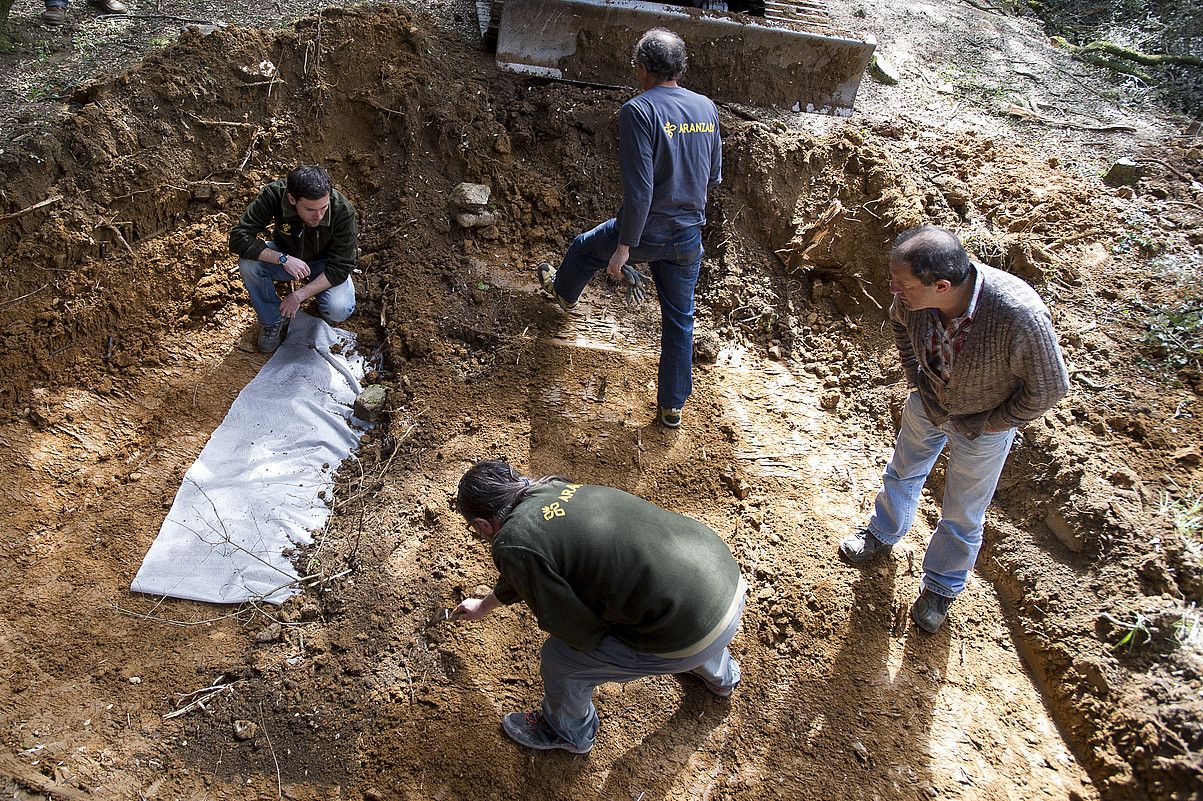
670 418
929 610
862 546
547 279
54 15
531 730
109 6
270 337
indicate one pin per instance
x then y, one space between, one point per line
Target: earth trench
127 335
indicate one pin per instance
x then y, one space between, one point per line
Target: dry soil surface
1070 668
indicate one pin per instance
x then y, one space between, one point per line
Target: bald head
933 254
662 54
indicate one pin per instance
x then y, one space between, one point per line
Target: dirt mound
127 335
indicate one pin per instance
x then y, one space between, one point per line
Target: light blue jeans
570 676
970 479
675 258
335 304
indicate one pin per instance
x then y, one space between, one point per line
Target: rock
481 219
245 729
706 347
1069 535
470 197
1124 172
135 679
370 403
739 488
884 72
1189 456
269 634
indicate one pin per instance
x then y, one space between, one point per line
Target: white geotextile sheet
252 494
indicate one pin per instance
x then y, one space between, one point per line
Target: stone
369 404
470 197
884 72
1068 534
1124 172
245 729
477 219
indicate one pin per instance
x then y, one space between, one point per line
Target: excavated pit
128 334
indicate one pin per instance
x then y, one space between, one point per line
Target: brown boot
54 15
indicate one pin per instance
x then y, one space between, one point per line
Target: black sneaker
929 610
547 279
531 730
862 546
270 337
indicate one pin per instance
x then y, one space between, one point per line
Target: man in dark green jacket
625 589
313 238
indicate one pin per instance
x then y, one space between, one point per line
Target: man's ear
292 201
943 285
484 527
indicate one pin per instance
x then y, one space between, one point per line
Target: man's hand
614 268
296 268
291 304
475 608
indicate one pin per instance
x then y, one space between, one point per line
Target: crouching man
314 238
624 588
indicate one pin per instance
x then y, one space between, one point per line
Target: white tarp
252 494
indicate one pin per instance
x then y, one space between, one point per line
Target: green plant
1186 516
1176 334
1188 631
1133 631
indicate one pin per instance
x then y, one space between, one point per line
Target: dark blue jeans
675 258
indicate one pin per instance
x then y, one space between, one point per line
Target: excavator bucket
786 58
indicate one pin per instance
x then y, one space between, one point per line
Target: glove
636 285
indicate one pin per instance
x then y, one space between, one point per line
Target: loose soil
127 335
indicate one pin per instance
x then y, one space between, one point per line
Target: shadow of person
646 769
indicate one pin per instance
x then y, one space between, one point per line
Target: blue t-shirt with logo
670 153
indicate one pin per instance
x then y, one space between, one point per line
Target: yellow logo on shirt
286 228
688 127
554 510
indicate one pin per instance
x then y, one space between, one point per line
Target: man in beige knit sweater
981 358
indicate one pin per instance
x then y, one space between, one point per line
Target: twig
185 20
23 297
1163 164
1184 203
34 207
250 148
108 226
272 748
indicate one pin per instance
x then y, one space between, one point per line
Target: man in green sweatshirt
624 588
314 238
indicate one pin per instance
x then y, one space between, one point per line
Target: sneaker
54 15
531 730
270 337
670 418
547 279
862 546
109 6
929 610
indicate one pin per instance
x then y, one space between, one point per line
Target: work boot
270 337
54 15
108 6
929 610
531 730
862 546
669 418
547 279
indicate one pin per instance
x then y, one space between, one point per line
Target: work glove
636 285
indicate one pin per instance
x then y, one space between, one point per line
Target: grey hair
662 53
933 254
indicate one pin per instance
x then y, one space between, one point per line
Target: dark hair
308 182
933 254
662 54
492 488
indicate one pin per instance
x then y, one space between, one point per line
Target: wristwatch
283 259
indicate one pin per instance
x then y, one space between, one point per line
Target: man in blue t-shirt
670 153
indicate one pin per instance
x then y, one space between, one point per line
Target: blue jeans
570 676
971 477
335 304
675 258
